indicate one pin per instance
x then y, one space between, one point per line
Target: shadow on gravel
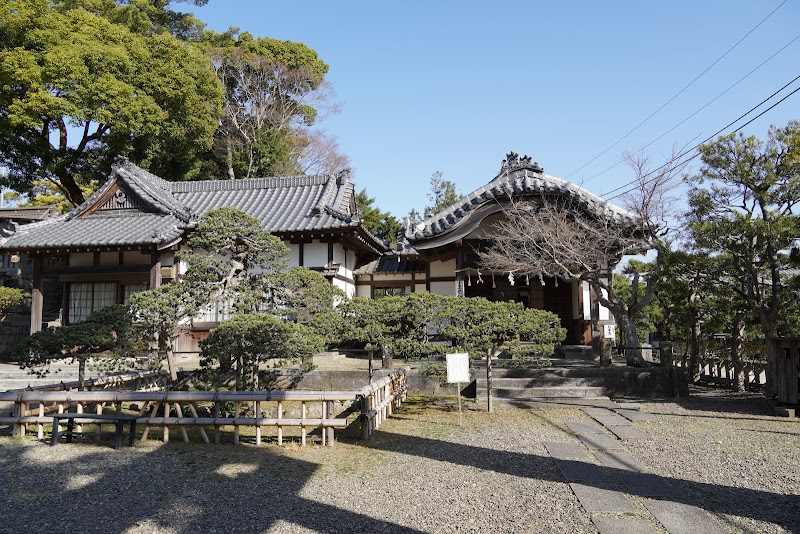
184 489
760 505
722 400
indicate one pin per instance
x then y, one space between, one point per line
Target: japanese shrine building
123 238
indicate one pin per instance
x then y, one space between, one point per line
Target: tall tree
381 223
81 82
443 194
743 207
274 92
232 277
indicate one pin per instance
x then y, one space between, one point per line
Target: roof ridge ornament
514 162
343 176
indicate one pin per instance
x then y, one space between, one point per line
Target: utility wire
696 147
678 93
740 117
740 80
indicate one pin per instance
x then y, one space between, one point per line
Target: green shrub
237 347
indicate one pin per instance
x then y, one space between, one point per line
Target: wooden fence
134 380
720 371
217 409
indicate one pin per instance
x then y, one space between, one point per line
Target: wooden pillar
459 269
155 271
37 298
594 310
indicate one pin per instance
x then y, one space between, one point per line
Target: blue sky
453 86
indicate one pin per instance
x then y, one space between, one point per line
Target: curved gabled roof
137 208
519 179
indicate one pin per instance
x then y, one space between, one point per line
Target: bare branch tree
262 95
320 154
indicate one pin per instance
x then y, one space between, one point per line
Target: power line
740 80
678 93
698 145
740 117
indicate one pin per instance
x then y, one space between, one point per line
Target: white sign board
609 331
458 368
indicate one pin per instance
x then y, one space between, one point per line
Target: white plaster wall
109 258
605 315
315 254
420 288
348 288
294 254
363 291
444 288
339 255
443 268
136 257
167 259
81 259
586 294
342 257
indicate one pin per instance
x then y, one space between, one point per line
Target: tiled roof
284 204
98 230
161 210
391 265
518 178
28 213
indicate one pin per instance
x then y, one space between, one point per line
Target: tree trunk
173 371
737 333
630 338
81 374
386 358
694 347
770 330
229 160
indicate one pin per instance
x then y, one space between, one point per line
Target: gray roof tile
282 204
99 230
391 265
518 178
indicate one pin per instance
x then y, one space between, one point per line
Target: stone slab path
614 487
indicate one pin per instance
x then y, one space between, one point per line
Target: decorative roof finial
513 161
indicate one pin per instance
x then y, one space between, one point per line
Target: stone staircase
568 382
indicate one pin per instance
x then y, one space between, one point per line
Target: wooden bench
118 419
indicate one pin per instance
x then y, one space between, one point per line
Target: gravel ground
421 473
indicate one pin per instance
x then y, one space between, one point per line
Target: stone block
595 499
565 450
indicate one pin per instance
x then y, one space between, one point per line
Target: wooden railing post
365 433
489 379
280 428
257 415
376 402
329 430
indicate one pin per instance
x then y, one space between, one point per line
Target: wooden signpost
458 373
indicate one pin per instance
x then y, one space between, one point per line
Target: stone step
549 381
546 372
553 402
544 392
